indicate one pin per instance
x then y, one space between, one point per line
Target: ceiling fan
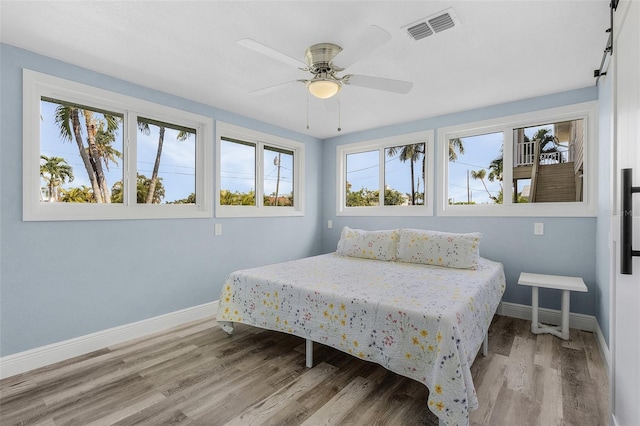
319 61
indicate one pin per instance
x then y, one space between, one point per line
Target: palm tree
145 187
92 125
495 174
412 152
183 135
67 118
455 144
481 174
548 142
104 139
55 170
495 170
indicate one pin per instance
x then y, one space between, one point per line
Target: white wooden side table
566 284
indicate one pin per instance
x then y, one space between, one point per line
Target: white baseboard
614 420
45 355
604 347
553 316
548 316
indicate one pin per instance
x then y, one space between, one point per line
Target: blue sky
238 172
479 151
363 170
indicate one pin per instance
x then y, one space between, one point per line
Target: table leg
534 310
309 351
566 294
485 345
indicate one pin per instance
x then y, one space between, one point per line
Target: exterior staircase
555 183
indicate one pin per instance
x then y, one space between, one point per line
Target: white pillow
380 245
439 248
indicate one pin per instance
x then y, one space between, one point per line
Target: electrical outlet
218 229
538 228
329 224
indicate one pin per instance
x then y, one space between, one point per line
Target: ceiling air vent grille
442 22
419 31
430 25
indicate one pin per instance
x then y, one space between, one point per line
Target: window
548 162
535 164
90 154
166 163
237 173
258 174
386 177
81 151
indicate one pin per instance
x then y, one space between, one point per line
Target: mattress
423 322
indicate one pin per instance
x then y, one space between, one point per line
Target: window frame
260 139
586 208
426 136
37 85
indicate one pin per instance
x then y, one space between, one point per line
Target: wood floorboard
488 388
548 393
197 375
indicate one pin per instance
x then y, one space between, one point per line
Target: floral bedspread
423 322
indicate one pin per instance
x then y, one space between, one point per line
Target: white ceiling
501 51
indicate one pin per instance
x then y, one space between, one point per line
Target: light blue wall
60 280
568 246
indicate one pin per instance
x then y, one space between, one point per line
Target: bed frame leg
309 350
485 345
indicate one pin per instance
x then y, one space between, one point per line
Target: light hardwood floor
198 375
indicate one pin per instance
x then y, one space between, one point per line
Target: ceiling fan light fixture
323 88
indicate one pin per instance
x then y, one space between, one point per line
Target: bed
378 301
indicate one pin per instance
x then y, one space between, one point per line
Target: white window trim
261 139
342 151
587 208
36 85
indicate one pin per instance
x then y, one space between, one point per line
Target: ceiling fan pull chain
339 111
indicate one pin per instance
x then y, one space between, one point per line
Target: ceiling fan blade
270 52
373 38
386 84
276 87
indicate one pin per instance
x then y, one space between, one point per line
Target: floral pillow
439 248
380 245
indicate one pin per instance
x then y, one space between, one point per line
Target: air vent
419 31
433 24
441 23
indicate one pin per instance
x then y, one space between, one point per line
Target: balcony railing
524 154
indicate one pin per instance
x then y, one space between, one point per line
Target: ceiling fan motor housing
319 58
